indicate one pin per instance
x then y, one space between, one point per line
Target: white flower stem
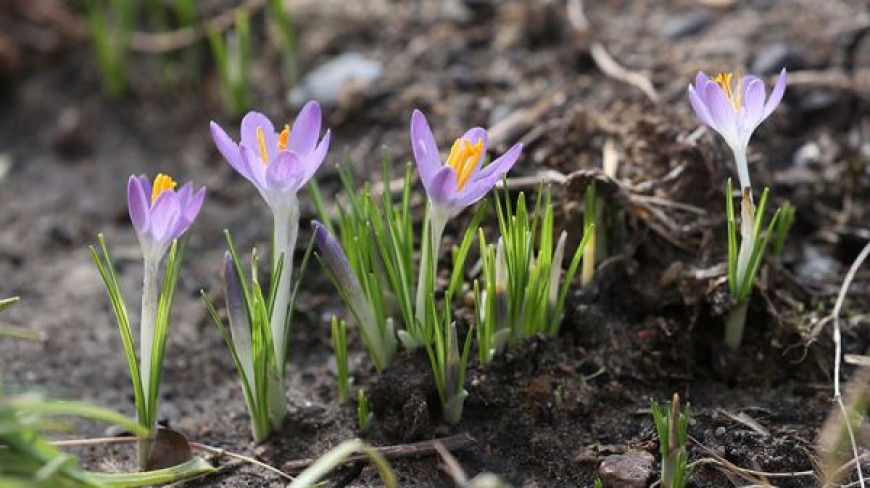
437 221
286 229
735 324
150 294
742 168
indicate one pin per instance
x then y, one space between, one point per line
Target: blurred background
93 91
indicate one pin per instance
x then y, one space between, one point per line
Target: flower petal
752 111
503 164
306 129
700 108
443 186
228 149
138 205
254 167
286 173
146 186
701 80
473 192
164 215
315 159
722 113
250 123
775 95
425 150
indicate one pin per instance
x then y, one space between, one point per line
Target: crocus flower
462 180
380 338
277 163
734 107
159 213
459 182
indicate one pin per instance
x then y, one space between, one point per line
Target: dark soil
649 326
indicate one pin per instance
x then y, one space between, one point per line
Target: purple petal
285 173
775 95
146 186
314 160
138 205
721 112
752 112
698 105
191 207
306 129
228 149
250 123
425 150
254 167
474 191
164 216
503 164
701 83
443 186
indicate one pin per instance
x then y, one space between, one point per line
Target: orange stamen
162 183
283 138
262 140
463 159
732 93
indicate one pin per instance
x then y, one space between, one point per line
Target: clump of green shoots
339 345
363 413
110 30
744 262
250 338
232 55
783 226
672 426
523 290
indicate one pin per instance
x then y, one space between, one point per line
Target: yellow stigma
283 138
463 158
162 183
734 94
263 153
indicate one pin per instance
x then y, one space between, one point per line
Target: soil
649 326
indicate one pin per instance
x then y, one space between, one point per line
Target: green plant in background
12 331
339 344
110 24
744 262
251 340
672 426
590 216
279 14
783 226
363 414
232 55
523 291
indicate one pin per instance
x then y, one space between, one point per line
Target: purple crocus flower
278 164
734 107
462 180
159 213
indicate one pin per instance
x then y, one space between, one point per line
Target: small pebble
686 24
771 59
629 470
719 431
